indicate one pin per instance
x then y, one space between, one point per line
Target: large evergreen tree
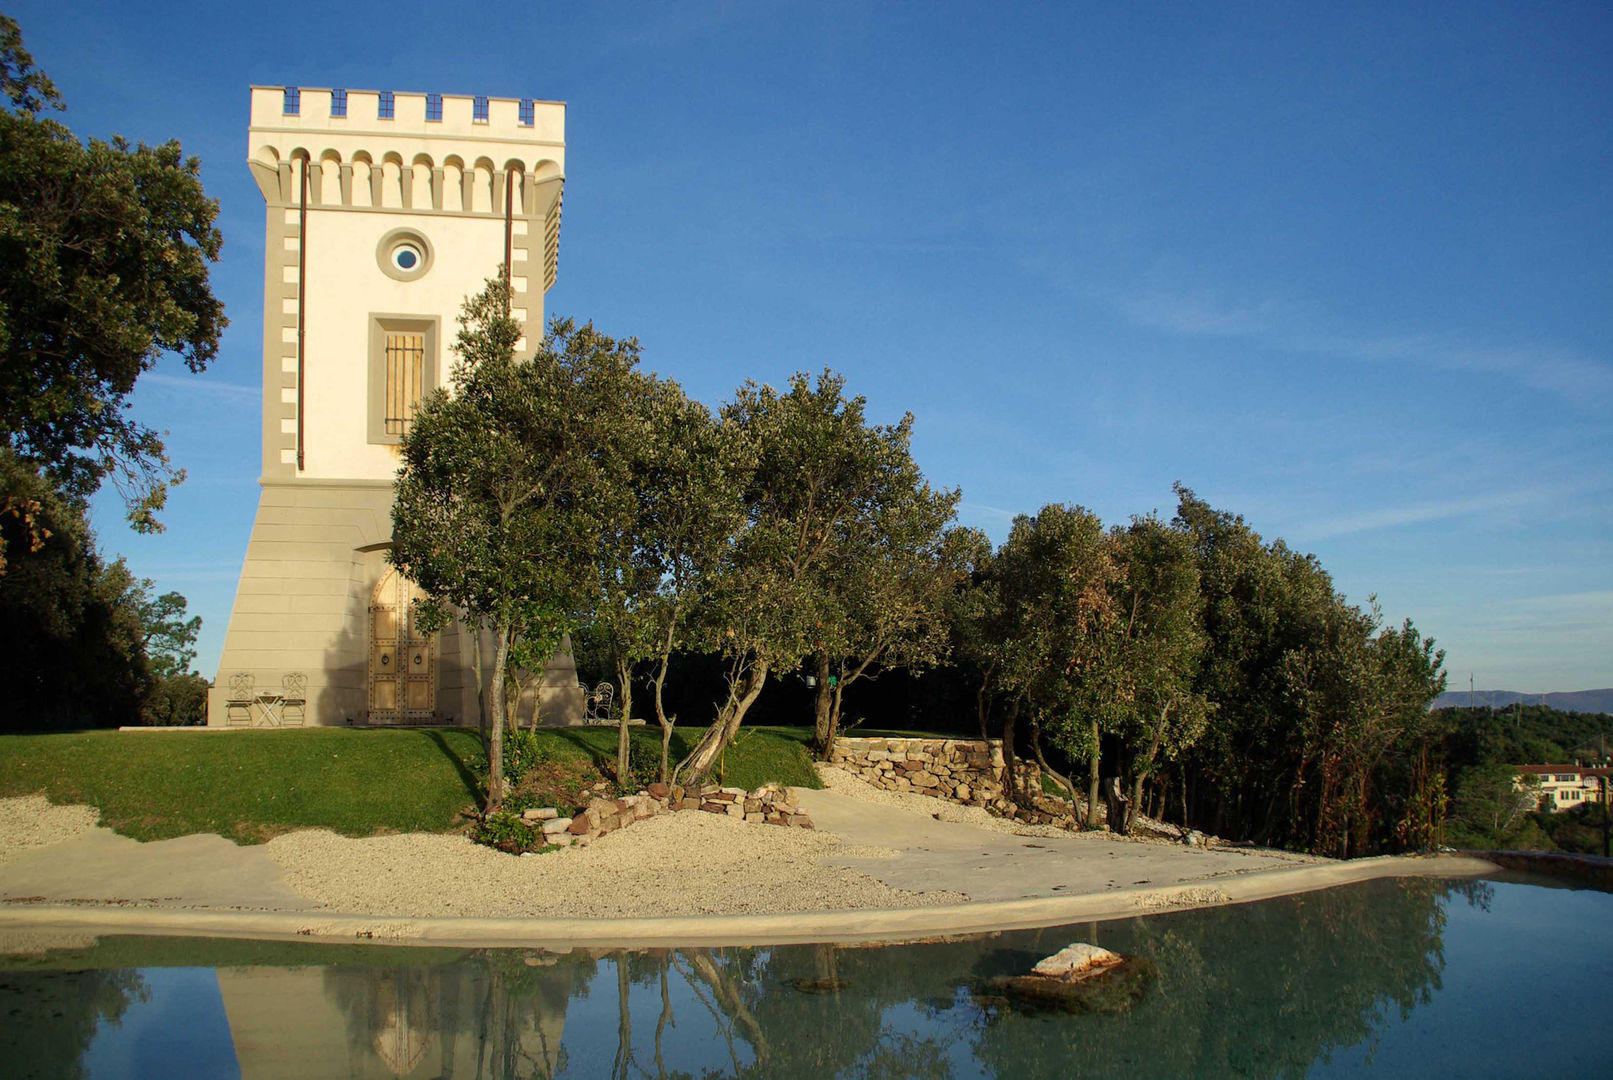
104 252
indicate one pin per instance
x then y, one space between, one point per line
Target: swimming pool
1416 977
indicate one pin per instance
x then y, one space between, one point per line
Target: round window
404 254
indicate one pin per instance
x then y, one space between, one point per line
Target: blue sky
1344 272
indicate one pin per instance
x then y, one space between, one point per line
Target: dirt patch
842 782
566 785
257 832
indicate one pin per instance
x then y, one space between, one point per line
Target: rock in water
1078 979
1075 960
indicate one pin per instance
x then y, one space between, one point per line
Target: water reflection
1259 990
47 1020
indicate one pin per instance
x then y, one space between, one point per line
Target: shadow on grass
601 749
595 754
467 775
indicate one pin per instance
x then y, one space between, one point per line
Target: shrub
643 765
523 751
506 831
176 700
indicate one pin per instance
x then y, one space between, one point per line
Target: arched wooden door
403 658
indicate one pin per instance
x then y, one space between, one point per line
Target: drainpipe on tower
302 299
509 238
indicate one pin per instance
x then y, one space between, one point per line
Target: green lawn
250 785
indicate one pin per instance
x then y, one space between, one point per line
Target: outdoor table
268 708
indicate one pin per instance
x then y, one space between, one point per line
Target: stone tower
385 210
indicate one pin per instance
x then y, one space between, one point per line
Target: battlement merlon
459 144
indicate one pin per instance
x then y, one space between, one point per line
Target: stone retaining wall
767 805
967 771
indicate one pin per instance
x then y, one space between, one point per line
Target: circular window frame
390 242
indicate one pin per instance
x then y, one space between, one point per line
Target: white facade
1563 787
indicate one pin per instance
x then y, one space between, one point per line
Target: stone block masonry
967 771
767 805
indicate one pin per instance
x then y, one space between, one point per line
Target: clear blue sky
1344 272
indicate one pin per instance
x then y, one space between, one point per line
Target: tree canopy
506 486
103 268
104 253
822 472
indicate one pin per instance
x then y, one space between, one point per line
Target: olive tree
504 487
1055 576
1156 642
819 465
894 568
671 527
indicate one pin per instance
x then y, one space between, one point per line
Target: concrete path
988 865
102 867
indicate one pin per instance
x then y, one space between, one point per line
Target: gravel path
686 863
32 821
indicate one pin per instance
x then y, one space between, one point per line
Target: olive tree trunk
1036 746
1093 820
495 741
823 710
742 694
658 683
624 746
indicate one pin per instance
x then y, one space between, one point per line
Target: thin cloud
1440 510
1592 598
200 384
1196 313
989 511
1272 324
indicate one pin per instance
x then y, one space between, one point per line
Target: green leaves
506 483
104 252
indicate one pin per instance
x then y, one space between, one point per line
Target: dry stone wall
767 805
968 771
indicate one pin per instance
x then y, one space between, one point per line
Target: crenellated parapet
413 153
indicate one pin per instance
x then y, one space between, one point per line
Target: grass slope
250 785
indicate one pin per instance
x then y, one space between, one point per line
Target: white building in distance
1563 787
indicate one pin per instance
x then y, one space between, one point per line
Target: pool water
1424 978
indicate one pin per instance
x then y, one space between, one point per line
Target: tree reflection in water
1248 990
47 1019
497 1014
1261 990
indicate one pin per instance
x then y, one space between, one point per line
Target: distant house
1563 787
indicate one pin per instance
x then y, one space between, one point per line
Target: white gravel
32 821
687 863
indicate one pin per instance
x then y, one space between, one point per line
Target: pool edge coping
847 925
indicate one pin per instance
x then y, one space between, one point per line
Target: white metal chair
238 706
596 709
294 699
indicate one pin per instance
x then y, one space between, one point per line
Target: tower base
311 643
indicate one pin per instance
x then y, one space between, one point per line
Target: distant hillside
1585 701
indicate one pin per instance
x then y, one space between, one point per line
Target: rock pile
768 805
967 771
